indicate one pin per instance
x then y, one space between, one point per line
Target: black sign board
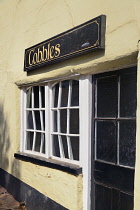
87 37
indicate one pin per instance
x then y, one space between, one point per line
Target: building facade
69 116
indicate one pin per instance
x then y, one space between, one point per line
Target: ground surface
8 202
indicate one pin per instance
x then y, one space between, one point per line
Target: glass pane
107 96
38 142
36 97
65 146
29 98
74 121
37 120
128 95
29 137
75 147
63 120
127 143
43 113
43 142
65 90
106 141
29 120
42 89
56 150
55 92
55 121
75 93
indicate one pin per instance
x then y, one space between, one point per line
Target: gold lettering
57 50
49 51
45 54
39 55
35 60
30 58
52 52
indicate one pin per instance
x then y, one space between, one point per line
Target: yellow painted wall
24 23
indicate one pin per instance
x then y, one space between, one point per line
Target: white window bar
48 121
85 97
70 153
41 119
58 121
23 122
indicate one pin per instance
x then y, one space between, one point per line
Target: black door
113 148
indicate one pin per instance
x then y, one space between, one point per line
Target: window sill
55 164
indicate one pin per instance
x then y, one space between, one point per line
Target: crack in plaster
69 12
129 22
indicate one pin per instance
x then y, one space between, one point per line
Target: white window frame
85 113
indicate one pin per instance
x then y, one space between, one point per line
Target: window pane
106 141
128 95
63 120
38 142
37 120
65 146
64 96
42 89
75 93
56 150
75 147
29 120
55 121
107 91
36 97
74 121
29 137
29 98
43 113
127 143
55 92
43 142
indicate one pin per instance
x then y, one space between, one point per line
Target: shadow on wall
4 140
6 179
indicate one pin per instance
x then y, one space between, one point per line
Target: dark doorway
113 149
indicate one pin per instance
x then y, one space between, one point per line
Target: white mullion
51 104
35 109
62 155
85 102
64 134
48 121
58 121
32 130
34 140
23 138
41 118
42 141
34 123
67 107
70 153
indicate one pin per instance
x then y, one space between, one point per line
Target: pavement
8 202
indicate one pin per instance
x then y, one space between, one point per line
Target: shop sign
82 39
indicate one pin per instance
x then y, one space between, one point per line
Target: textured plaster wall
24 23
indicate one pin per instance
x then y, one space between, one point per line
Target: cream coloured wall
24 23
